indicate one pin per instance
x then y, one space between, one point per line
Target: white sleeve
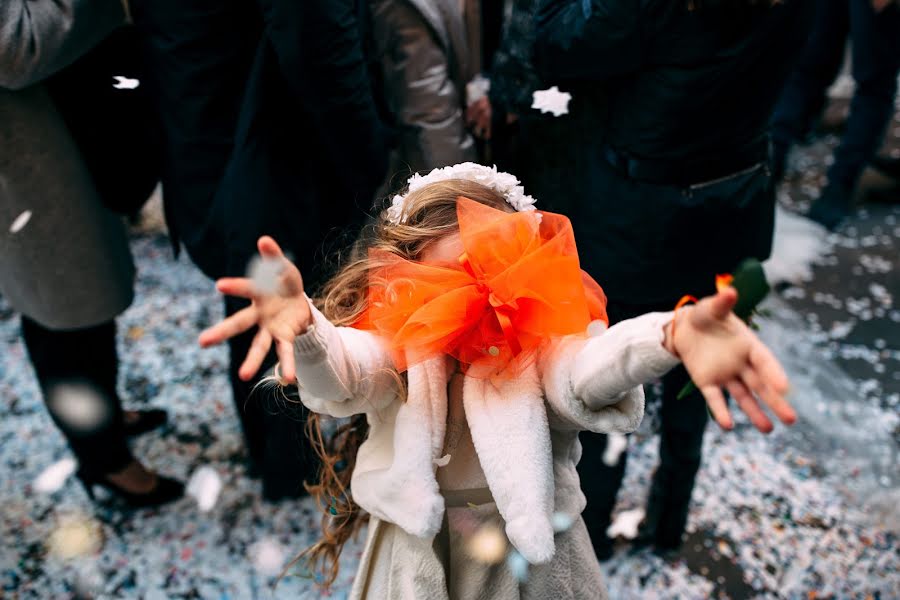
595 384
342 371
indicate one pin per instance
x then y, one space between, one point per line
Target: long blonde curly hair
431 215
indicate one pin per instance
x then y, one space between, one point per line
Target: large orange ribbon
517 285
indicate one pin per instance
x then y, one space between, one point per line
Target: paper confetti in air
20 222
626 524
596 328
76 535
561 522
487 545
125 83
265 273
267 556
518 566
80 406
442 461
551 101
616 444
54 477
204 486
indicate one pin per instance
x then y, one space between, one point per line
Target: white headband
503 183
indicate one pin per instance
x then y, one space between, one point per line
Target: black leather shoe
165 491
147 420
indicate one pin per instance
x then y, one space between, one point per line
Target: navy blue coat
271 123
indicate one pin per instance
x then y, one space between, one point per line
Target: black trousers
273 425
681 441
77 373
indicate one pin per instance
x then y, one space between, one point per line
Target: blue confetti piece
561 522
518 566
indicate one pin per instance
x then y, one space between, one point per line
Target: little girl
472 350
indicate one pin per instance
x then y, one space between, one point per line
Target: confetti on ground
551 101
268 556
20 222
75 536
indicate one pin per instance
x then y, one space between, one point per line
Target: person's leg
273 426
77 373
876 61
804 94
680 448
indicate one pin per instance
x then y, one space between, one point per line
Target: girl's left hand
720 351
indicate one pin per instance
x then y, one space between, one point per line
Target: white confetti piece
799 243
267 556
20 222
265 273
125 83
204 486
518 566
487 545
54 477
561 522
616 444
80 406
442 461
626 524
596 328
551 101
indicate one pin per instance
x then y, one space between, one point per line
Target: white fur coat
525 430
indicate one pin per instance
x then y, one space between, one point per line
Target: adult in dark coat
271 127
674 185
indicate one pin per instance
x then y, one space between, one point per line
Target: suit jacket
270 121
69 266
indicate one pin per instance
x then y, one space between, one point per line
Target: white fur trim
511 435
504 183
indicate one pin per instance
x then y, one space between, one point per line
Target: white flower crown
503 183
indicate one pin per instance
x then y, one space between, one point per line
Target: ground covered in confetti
807 512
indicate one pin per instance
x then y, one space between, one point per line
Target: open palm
281 315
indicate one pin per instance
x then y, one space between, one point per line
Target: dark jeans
681 441
83 360
273 425
875 41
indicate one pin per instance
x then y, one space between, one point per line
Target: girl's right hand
281 316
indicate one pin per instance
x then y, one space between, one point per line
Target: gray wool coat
69 265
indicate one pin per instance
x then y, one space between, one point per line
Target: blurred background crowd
145 146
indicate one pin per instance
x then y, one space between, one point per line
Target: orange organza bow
518 284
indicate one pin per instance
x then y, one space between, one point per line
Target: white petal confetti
487 545
551 101
204 486
267 556
20 222
265 273
54 477
616 444
76 535
626 524
442 461
125 83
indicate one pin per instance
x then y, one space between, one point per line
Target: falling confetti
596 328
265 273
518 566
626 524
442 461
267 556
616 444
125 83
54 477
81 407
20 222
487 545
75 536
551 101
561 522
204 486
